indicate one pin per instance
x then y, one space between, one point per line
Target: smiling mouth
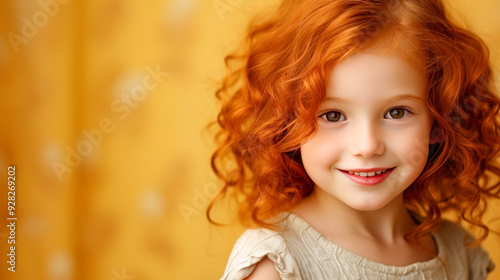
367 174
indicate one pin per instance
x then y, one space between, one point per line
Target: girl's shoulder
452 239
253 246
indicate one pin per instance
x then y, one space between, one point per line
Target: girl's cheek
414 150
323 147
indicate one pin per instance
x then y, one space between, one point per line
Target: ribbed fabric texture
300 252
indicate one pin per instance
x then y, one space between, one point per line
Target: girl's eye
333 116
396 113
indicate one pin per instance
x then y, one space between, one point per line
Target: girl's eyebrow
335 99
392 98
407 96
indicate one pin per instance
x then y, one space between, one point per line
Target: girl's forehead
370 74
395 41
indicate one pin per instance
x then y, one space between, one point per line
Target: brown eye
396 113
333 116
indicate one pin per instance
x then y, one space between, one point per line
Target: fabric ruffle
245 257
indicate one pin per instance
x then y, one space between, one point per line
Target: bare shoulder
264 270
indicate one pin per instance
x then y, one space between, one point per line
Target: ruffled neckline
304 228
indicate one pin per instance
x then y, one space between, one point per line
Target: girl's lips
368 177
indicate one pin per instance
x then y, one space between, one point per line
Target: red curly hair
268 105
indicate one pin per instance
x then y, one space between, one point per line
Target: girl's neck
375 235
336 220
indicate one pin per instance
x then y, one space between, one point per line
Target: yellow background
133 206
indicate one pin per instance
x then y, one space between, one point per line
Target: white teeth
367 174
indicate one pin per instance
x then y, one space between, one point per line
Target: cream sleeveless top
300 252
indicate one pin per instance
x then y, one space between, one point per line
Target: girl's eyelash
397 112
333 116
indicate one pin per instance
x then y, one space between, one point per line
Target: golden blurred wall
103 108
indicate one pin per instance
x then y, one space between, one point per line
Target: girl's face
373 132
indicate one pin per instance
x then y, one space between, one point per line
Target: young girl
352 126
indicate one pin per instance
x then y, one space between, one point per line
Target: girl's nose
367 142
